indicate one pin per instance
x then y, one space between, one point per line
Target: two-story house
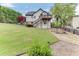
39 19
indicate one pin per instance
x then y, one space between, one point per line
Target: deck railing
45 16
40 17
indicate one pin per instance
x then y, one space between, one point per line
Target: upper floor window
44 13
34 16
31 16
44 21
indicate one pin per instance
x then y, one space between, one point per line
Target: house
75 22
38 19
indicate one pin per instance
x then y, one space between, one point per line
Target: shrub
56 24
39 50
21 19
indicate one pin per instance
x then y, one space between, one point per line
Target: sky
25 7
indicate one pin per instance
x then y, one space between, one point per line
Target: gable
38 11
46 13
43 12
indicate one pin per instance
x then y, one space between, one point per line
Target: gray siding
75 22
39 24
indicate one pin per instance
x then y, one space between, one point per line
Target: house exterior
38 19
75 22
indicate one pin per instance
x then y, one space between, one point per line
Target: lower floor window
44 21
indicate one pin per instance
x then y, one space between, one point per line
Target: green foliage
37 49
56 24
8 15
63 13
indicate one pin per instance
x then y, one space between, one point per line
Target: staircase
36 21
41 17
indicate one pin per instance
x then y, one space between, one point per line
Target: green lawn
15 39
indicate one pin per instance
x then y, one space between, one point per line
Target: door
44 24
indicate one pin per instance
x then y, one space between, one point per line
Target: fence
74 31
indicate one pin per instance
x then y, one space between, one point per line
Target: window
77 27
45 14
31 22
44 21
34 17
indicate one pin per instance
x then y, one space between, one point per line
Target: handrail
40 17
37 20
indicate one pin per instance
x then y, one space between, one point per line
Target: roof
31 13
48 13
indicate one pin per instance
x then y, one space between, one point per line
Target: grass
15 39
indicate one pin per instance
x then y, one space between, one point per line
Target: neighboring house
39 19
75 22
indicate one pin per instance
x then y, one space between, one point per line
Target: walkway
67 46
68 37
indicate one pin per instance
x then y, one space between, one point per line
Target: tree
21 19
63 13
8 15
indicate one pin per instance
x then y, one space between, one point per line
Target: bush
56 24
39 50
